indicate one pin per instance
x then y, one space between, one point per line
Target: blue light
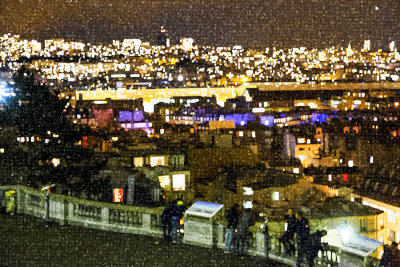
5 91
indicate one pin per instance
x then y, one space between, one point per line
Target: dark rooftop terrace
26 241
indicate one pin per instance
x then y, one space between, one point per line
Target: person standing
395 253
302 234
313 245
245 222
386 256
176 215
232 217
287 237
166 220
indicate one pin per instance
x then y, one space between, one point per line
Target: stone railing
274 250
147 221
93 214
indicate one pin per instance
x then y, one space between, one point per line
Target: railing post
105 215
220 236
71 211
260 243
20 201
146 221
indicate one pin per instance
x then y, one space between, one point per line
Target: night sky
255 23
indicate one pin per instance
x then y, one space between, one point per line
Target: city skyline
220 23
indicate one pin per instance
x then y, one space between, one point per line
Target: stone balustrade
147 221
93 214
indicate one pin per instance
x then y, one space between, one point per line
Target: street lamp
47 201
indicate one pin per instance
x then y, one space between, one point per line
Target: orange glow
118 195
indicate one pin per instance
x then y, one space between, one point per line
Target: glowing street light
346 233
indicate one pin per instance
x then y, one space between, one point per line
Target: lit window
391 216
156 161
1 150
118 194
296 170
247 204
161 131
253 134
178 182
55 162
247 191
138 162
275 196
241 133
330 177
371 159
164 181
351 163
302 157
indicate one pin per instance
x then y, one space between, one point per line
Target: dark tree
38 117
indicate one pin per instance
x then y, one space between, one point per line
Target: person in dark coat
302 234
313 245
232 217
386 256
395 253
166 217
245 221
287 237
177 211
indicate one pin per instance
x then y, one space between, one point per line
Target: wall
146 221
91 214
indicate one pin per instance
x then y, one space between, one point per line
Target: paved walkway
25 241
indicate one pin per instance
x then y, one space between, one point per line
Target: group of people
391 255
237 229
171 218
307 244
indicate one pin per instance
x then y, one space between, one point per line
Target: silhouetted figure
166 219
302 234
232 217
386 256
287 237
313 245
245 222
176 215
395 260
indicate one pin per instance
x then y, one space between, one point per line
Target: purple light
238 118
125 116
138 115
267 120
